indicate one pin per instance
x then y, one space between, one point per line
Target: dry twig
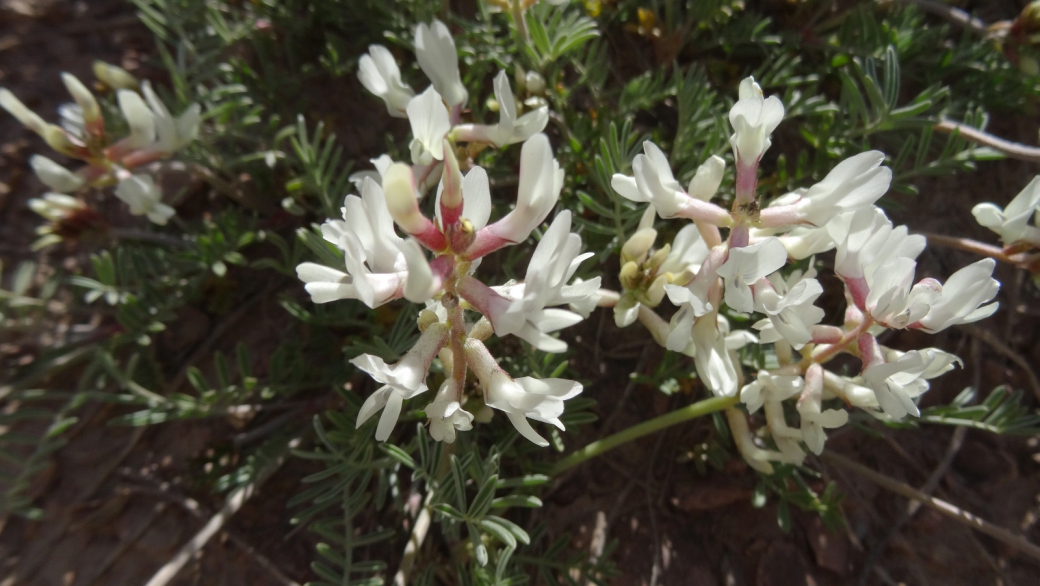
957 514
234 502
1013 150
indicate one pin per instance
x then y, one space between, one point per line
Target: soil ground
115 510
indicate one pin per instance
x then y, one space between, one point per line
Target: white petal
419 285
524 427
54 175
476 202
138 117
388 419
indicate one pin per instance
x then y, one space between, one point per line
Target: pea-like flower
1012 222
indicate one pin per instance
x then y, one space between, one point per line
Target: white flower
688 251
712 357
376 267
429 120
892 301
871 240
896 383
403 380
789 307
1012 223
753 119
541 180
55 176
810 408
654 182
769 387
510 129
56 206
554 262
854 184
378 72
447 415
144 198
747 265
381 164
476 199
435 51
140 119
692 303
420 284
526 397
173 133
755 456
960 298
506 394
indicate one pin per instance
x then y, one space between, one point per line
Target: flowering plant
381 266
874 260
391 274
154 133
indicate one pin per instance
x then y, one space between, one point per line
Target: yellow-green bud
57 139
638 245
115 77
655 292
658 258
629 275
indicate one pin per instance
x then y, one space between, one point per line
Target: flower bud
83 97
400 193
629 275
426 319
54 175
655 292
27 117
638 245
535 83
451 179
58 139
114 76
658 258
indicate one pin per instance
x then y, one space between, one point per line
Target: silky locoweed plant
154 134
380 266
700 272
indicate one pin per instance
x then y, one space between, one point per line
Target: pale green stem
676 417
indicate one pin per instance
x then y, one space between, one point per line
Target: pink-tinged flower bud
451 195
400 192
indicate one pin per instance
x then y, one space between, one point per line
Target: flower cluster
380 266
700 272
153 134
435 114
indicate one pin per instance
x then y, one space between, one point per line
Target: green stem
676 417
